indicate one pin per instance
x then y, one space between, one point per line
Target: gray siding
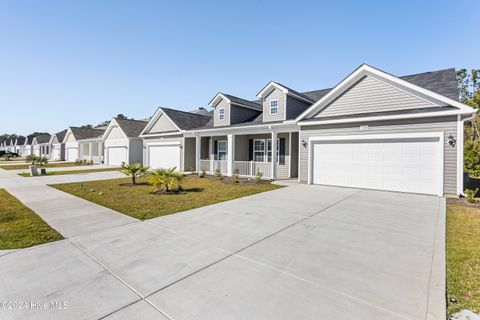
294 107
135 151
189 153
241 114
222 104
448 125
275 94
294 155
371 95
163 124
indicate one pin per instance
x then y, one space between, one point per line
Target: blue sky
68 63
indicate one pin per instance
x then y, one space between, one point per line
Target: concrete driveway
301 252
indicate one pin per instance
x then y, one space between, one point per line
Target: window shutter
250 149
215 149
282 151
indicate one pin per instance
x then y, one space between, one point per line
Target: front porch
91 150
272 155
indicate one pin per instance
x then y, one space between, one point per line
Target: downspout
462 193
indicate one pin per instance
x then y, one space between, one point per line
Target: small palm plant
168 179
133 170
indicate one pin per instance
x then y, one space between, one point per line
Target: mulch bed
462 202
241 181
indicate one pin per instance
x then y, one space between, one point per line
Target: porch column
210 154
274 154
80 157
90 151
230 153
198 145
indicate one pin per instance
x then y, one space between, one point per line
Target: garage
412 163
55 154
164 156
116 155
72 154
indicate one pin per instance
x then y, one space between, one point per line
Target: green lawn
56 173
138 201
20 227
463 258
48 165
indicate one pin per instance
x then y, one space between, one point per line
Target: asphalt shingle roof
237 100
86 133
20 141
43 138
30 139
60 135
186 120
132 128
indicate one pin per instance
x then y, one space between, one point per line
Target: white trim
270 107
366 70
226 149
290 155
380 118
160 144
459 147
440 135
218 96
221 117
153 120
278 86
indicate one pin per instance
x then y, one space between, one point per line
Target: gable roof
284 89
29 140
237 101
131 128
427 79
186 120
43 138
86 133
60 135
20 141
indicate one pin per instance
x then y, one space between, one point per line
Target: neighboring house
83 144
57 146
20 145
165 145
27 147
372 130
122 141
41 146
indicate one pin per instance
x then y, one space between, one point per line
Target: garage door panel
116 155
408 165
72 154
164 156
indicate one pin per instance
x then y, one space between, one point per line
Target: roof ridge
186 112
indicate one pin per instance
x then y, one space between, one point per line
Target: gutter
462 193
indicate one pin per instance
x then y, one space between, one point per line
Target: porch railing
250 168
212 165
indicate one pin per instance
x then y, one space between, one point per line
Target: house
20 145
41 146
372 130
122 142
83 144
27 147
164 141
57 146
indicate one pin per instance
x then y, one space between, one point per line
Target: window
221 114
259 150
222 149
274 107
269 150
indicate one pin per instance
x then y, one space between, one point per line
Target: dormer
282 103
230 110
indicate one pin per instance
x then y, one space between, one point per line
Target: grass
20 227
463 258
56 173
48 165
138 201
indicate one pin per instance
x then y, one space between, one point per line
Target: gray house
372 130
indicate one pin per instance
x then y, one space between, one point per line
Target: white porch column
230 153
198 145
80 157
274 155
210 154
90 151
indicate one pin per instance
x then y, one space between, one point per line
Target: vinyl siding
163 124
295 107
221 104
294 155
135 151
189 153
275 94
241 114
372 95
116 133
447 125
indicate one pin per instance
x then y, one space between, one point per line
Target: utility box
33 170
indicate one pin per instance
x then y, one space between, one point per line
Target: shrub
235 177
218 174
202 173
31 158
472 157
90 162
191 169
134 170
258 176
471 195
42 160
166 179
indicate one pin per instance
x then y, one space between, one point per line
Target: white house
57 146
122 142
84 144
41 146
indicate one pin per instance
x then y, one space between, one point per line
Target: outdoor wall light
452 141
304 143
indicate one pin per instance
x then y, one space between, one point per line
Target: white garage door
55 154
406 165
116 156
164 156
72 154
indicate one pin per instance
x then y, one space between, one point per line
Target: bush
235 177
471 195
472 157
202 173
42 160
218 174
191 169
166 179
258 176
31 158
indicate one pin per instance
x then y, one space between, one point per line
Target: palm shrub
133 170
166 179
42 160
30 158
258 176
